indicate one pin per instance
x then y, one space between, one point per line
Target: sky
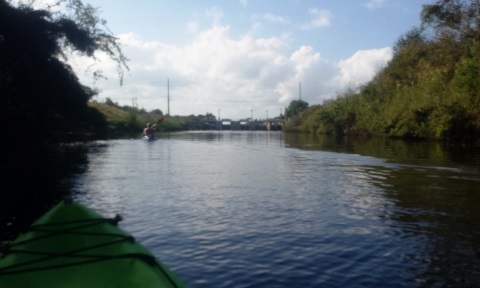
243 58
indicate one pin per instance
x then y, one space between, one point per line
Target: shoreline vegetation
430 89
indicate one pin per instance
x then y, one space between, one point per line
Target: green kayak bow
73 246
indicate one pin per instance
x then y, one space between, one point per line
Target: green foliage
128 122
39 90
125 121
457 18
414 37
295 108
295 115
430 88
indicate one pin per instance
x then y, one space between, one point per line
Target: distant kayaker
149 130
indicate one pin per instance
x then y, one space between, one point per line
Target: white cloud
275 19
40 4
320 18
361 67
206 18
373 4
193 27
237 75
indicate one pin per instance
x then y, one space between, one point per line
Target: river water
266 209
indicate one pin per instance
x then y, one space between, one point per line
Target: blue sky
242 55
348 26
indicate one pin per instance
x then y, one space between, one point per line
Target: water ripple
242 210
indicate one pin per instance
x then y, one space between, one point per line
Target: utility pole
251 119
300 90
168 96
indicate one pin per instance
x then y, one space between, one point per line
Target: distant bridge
267 125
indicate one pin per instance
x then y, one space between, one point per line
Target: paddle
160 120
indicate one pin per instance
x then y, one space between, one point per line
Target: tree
414 37
157 112
210 117
457 18
295 108
40 94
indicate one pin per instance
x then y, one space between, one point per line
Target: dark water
229 209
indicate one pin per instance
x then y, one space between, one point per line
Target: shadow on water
33 180
433 195
396 150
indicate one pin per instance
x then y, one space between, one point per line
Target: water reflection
228 209
398 151
442 207
427 191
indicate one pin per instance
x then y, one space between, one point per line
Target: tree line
429 89
127 121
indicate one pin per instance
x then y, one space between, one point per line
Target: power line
189 100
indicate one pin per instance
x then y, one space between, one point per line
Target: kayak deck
73 246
